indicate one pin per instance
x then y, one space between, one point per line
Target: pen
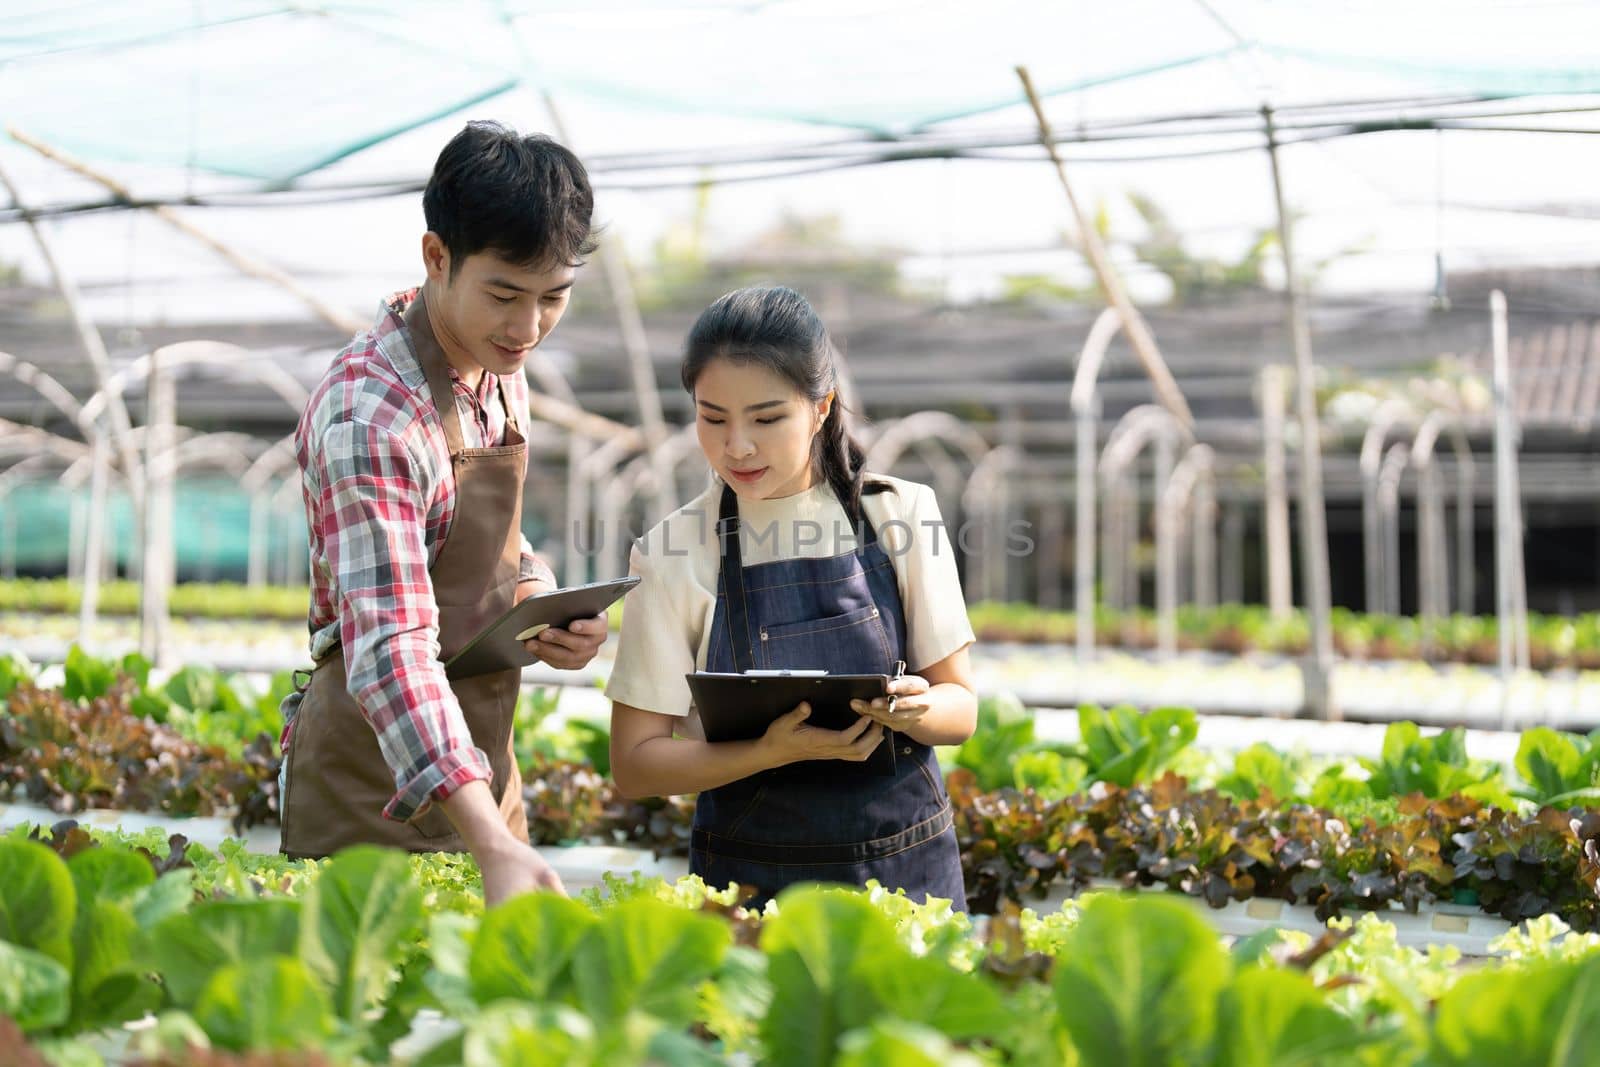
899 672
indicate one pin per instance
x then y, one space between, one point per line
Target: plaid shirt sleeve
533 568
375 507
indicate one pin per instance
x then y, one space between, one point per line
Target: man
412 462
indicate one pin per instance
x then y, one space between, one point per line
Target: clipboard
498 646
740 707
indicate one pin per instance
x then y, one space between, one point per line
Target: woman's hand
790 740
904 707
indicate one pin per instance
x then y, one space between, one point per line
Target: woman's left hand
902 709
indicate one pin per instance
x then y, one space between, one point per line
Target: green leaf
1398 740
37 899
1548 1016
925 990
136 667
14 670
821 947
35 990
86 677
194 688
169 895
1269 1017
897 1043
108 873
531 1035
650 956
1005 731
108 985
1257 947
148 705
1050 774
524 948
1259 768
1136 982
1550 763
359 916
273 1002
450 938
188 949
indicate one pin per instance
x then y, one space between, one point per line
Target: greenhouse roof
271 91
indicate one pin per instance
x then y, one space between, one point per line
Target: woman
820 565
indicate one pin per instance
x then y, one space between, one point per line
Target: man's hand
569 649
574 647
511 867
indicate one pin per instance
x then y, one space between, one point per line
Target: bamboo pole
1313 517
1144 345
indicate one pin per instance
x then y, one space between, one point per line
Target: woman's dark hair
527 199
776 328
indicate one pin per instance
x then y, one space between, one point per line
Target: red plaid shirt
379 495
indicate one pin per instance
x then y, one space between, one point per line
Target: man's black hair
527 199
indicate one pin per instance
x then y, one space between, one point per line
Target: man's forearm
475 815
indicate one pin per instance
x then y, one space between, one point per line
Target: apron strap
739 643
437 370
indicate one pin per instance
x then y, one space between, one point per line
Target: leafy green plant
1435 767
1559 769
1123 745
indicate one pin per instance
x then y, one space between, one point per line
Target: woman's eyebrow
753 407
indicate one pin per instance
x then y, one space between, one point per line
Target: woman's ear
825 408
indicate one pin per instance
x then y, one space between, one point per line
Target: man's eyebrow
753 407
501 283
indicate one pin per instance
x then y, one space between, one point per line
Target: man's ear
435 257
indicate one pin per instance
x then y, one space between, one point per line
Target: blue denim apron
822 821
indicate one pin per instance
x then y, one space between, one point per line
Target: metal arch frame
641 473
40 382
1388 415
1141 426
1433 555
595 462
1086 409
901 434
917 430
278 503
15 438
1191 488
987 485
185 354
914 431
254 482
1395 460
225 449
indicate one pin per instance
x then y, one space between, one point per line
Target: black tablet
498 646
740 707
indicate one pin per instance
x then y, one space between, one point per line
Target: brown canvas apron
338 781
